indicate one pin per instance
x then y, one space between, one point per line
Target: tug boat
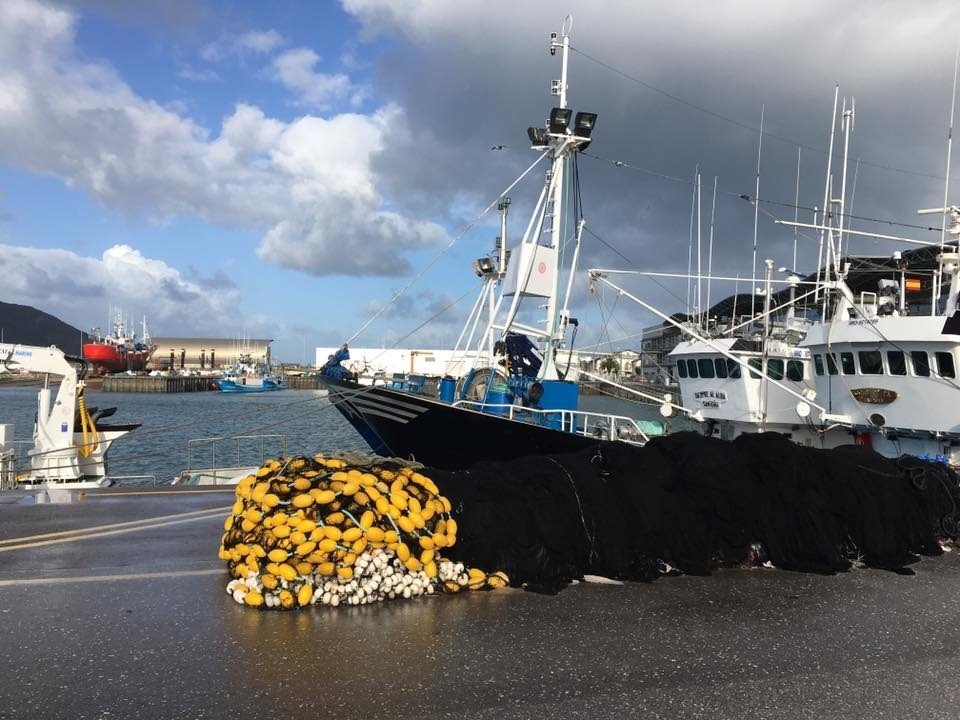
514 393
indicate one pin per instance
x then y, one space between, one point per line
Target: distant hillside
28 326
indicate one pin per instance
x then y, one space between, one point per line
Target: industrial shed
177 353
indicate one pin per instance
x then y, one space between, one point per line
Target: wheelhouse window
846 363
832 363
682 368
871 362
733 369
818 364
945 364
795 370
692 368
720 365
896 362
755 367
775 368
706 367
921 363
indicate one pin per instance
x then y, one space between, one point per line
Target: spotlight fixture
559 120
583 124
538 136
484 266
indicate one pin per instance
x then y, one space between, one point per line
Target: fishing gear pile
317 530
321 530
691 503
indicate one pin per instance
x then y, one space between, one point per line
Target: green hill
25 325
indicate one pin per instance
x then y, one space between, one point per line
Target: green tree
610 365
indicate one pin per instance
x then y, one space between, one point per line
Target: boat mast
826 199
558 170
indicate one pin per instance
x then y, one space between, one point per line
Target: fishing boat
515 391
247 376
120 350
864 351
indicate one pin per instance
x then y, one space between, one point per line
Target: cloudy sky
282 170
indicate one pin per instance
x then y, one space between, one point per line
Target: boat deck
114 606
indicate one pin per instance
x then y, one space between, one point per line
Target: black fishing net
694 503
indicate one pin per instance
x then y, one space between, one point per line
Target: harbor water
171 424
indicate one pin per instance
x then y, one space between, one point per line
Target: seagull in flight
499 147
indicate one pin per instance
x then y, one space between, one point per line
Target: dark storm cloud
675 87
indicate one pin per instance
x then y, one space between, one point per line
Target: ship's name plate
875 396
710 398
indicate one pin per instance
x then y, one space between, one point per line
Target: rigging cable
733 121
436 258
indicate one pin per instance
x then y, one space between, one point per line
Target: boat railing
8 470
603 426
241 448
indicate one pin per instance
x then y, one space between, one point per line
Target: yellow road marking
97 528
110 578
146 525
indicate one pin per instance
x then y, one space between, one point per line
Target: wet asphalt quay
133 621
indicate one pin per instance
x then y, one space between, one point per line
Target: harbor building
186 353
658 341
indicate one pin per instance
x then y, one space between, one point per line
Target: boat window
733 369
818 364
692 368
921 363
945 364
896 362
682 368
795 370
775 368
832 363
755 366
706 367
846 363
871 362
720 365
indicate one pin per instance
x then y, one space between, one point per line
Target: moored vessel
120 350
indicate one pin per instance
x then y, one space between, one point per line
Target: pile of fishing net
305 531
691 503
320 530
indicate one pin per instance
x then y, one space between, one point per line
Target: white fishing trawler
863 351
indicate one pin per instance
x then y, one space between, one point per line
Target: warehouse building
176 353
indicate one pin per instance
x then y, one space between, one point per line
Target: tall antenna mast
946 182
558 170
826 194
756 217
713 210
796 213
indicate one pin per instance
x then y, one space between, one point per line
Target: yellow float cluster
315 530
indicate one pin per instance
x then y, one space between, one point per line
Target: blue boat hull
232 386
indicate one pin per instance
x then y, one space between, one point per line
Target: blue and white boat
248 377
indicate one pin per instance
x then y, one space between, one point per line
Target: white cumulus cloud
308 185
295 69
80 289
